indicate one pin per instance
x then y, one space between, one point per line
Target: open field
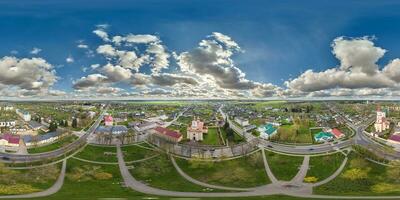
160 173
136 152
362 177
98 153
282 166
27 180
242 172
321 167
212 137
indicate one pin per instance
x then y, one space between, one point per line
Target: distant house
31 140
337 133
108 120
323 137
24 114
267 131
395 138
114 130
35 125
241 121
144 126
9 140
170 135
249 127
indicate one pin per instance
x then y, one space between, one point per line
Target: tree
65 123
53 126
230 134
74 123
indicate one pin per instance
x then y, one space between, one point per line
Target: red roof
168 132
337 133
108 118
13 139
395 138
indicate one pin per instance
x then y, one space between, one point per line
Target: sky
199 49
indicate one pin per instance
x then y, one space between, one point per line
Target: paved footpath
52 190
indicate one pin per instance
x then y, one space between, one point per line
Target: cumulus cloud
357 69
89 81
116 73
27 73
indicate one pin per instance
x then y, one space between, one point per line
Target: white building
381 123
24 114
241 121
196 130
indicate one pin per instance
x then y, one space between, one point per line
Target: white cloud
83 46
27 73
69 59
35 51
102 34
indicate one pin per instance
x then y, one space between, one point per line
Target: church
196 130
381 123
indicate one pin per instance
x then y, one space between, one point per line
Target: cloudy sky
199 49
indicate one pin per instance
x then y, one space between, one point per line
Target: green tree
74 123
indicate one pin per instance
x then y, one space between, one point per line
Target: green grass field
212 137
160 173
293 134
53 146
322 167
282 166
242 172
136 152
98 153
362 177
27 180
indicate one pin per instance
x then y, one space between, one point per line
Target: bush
17 189
102 176
310 179
385 188
355 174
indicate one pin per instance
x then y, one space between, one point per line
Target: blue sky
279 40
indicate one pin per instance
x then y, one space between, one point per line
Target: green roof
323 135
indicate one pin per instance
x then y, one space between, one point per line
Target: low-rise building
170 135
337 133
323 137
32 140
267 131
108 120
114 130
144 126
24 114
241 121
9 140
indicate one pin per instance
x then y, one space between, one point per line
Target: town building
241 121
144 126
9 140
323 137
196 130
24 114
169 135
34 140
381 123
114 130
108 120
337 133
267 131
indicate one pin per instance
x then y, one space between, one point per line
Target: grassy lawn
97 153
27 181
135 152
89 181
160 173
321 167
293 134
56 145
212 137
282 166
362 177
242 172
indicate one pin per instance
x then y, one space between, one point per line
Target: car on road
5 158
269 146
311 149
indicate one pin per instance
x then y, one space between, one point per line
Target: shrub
17 189
385 188
355 174
102 176
310 179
